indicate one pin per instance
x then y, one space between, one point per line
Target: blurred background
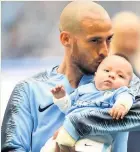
30 42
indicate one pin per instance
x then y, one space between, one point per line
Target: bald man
126 39
31 118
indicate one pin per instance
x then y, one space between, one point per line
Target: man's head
114 71
85 32
126 28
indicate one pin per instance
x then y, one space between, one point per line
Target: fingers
66 148
55 134
60 148
62 89
57 149
113 112
118 112
57 89
123 114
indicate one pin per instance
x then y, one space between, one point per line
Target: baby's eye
106 70
121 76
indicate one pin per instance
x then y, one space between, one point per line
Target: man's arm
18 123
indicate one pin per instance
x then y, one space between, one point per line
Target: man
31 117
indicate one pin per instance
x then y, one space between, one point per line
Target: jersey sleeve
63 103
125 98
17 124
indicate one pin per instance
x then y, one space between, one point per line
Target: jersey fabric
31 118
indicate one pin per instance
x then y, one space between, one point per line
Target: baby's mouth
108 81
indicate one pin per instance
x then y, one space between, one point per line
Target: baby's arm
60 98
122 105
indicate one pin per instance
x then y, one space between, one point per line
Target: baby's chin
105 86
102 88
109 87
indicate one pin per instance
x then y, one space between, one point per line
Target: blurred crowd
30 29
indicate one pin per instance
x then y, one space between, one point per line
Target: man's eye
106 70
109 39
96 40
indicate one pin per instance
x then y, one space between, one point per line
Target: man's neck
72 72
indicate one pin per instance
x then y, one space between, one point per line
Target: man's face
113 73
91 45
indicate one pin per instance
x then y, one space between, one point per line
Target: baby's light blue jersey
87 96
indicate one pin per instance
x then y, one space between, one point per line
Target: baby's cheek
122 83
118 84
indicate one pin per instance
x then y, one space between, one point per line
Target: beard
85 70
83 66
81 61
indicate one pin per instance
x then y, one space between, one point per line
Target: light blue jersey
31 118
86 98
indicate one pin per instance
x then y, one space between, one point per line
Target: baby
109 89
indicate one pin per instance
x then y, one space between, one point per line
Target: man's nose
104 50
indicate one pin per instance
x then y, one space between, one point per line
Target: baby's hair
126 58
123 56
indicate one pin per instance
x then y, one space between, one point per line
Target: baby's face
113 73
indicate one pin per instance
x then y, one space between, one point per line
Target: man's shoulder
43 76
39 79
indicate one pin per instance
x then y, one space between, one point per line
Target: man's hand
58 92
64 148
118 111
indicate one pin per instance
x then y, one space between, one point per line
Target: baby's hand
58 92
118 111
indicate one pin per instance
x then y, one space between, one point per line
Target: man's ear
65 38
